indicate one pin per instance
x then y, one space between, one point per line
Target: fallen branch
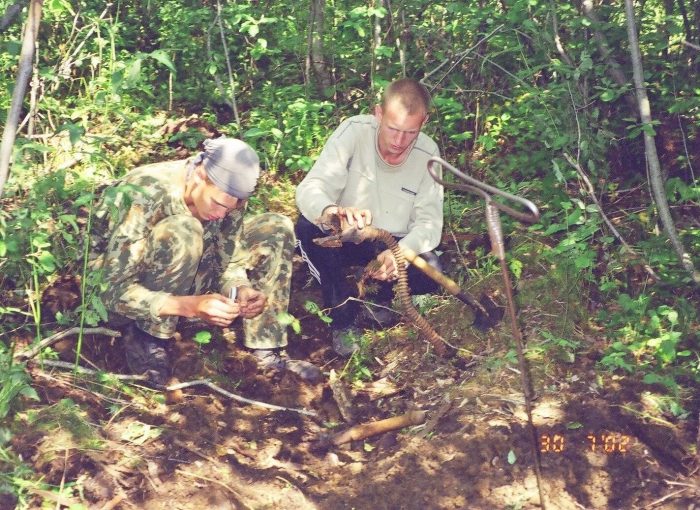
114 502
88 371
46 342
664 498
173 387
366 430
218 389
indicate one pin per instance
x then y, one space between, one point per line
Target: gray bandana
231 164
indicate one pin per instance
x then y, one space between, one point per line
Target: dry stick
365 430
664 498
211 385
62 68
112 503
31 31
615 232
178 386
33 351
63 478
691 45
557 40
87 371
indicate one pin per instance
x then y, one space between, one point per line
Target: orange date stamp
603 442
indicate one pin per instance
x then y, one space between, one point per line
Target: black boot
147 355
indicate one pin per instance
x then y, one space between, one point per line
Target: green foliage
287 319
202 337
358 366
313 308
14 383
15 475
66 415
554 347
652 339
508 103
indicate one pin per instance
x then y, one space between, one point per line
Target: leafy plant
357 366
287 319
313 308
649 339
14 382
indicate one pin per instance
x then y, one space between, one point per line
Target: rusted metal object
341 232
493 224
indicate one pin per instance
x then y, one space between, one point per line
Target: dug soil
600 441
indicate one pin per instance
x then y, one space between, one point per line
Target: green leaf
608 95
99 307
511 457
57 7
516 267
83 199
648 129
573 425
29 392
70 219
202 337
75 131
47 261
162 57
584 260
285 318
311 306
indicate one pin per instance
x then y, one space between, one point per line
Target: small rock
333 460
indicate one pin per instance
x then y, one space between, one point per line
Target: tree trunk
11 13
25 70
655 178
316 69
686 23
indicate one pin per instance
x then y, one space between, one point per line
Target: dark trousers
330 265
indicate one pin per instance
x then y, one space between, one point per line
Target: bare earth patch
600 444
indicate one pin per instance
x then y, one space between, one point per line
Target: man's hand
215 309
252 302
353 215
388 269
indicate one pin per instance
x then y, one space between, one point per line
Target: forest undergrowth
536 98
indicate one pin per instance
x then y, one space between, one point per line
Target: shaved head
411 94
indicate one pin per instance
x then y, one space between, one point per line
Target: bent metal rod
493 224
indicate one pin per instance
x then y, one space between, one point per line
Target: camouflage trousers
181 260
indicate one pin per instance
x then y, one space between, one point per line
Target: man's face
209 203
398 130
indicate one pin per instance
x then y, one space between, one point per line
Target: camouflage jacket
123 219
